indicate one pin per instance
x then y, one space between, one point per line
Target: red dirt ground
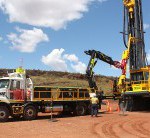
107 125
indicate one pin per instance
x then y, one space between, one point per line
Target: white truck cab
16 87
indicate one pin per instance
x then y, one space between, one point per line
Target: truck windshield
4 83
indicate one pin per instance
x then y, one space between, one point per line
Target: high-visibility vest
94 100
20 70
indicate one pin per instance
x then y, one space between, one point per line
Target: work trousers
94 109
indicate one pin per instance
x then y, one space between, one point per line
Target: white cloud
76 65
58 61
146 26
79 67
27 40
71 58
55 60
46 13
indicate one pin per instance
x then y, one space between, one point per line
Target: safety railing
65 94
140 82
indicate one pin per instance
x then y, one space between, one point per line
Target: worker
94 106
20 70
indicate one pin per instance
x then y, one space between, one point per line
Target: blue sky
53 34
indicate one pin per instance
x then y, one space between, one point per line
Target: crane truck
20 98
135 91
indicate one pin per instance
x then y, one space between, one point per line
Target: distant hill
64 79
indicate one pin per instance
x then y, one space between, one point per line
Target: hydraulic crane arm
101 56
89 70
97 55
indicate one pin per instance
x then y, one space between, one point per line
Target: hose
124 27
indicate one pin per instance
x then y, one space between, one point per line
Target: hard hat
92 95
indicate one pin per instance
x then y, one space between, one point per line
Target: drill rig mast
133 27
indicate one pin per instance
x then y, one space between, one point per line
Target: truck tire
80 110
30 113
4 114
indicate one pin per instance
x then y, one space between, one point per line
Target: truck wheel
30 113
80 109
4 114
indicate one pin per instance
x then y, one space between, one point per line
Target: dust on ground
107 125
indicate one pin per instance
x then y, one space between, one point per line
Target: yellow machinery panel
125 54
140 87
136 87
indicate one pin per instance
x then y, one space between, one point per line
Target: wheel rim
2 114
30 112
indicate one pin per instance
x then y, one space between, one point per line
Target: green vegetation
65 79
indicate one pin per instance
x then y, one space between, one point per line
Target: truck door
15 88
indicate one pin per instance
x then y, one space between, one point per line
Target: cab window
15 85
4 83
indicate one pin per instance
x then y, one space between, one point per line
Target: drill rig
135 90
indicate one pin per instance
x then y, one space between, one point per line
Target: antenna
21 62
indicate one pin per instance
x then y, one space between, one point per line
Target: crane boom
97 55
